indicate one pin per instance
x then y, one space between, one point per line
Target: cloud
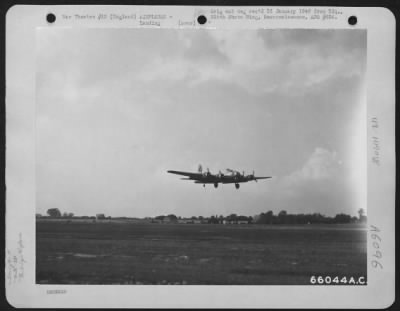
260 62
280 61
117 108
322 165
318 185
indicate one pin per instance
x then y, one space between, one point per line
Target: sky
117 108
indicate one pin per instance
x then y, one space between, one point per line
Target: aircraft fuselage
207 178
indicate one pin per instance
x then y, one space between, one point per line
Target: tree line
264 218
316 218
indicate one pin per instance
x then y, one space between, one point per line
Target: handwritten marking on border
376 158
376 247
16 262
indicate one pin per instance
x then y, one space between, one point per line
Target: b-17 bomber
232 177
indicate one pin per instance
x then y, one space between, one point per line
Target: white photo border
21 288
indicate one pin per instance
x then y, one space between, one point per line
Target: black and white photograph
209 157
195 156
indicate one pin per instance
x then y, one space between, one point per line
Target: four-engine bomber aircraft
204 178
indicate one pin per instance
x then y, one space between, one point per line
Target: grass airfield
106 252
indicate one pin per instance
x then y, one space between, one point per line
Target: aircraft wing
262 177
188 174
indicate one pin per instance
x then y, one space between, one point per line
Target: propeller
254 178
200 169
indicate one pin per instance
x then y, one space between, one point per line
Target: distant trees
231 217
54 212
316 218
362 217
234 218
282 217
342 219
265 218
213 220
269 216
172 217
167 218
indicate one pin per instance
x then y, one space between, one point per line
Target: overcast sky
118 108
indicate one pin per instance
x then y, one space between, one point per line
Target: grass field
126 253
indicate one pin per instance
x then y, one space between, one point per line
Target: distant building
185 221
199 221
235 222
167 219
100 216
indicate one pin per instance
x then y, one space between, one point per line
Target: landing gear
216 185
237 186
204 185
